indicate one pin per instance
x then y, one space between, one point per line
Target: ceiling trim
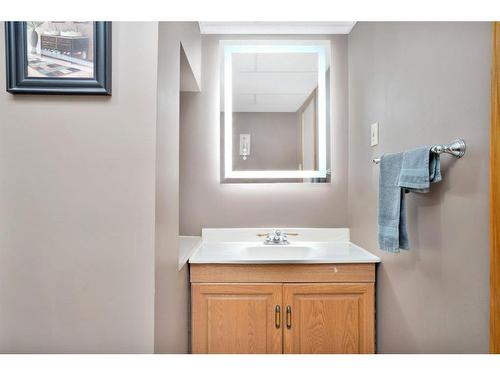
290 28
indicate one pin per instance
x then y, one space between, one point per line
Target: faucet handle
267 234
276 232
269 237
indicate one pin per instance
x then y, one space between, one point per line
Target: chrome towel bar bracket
456 148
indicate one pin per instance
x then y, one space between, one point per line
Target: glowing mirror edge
228 104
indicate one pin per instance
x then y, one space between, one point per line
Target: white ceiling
272 82
292 28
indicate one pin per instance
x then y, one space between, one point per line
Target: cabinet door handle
289 316
277 316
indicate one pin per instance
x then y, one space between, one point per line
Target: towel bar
455 148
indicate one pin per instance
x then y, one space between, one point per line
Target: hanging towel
392 233
410 171
420 168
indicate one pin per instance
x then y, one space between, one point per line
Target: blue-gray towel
392 233
420 168
400 173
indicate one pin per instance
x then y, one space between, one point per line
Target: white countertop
187 246
321 252
310 246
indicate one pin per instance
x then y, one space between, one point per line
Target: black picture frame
16 68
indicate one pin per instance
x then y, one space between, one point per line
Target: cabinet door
329 318
236 318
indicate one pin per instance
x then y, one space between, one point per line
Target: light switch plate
374 134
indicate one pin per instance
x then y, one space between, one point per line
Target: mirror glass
275 111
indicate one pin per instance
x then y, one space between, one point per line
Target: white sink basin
281 252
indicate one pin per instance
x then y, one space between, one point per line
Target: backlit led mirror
275 111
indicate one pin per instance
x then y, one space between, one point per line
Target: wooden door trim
495 193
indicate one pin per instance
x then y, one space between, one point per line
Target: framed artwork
58 57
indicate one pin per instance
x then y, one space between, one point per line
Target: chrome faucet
276 238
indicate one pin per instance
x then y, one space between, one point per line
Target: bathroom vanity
312 295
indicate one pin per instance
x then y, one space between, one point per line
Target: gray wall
274 142
425 83
172 287
205 202
77 181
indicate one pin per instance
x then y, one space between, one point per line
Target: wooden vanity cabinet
279 308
